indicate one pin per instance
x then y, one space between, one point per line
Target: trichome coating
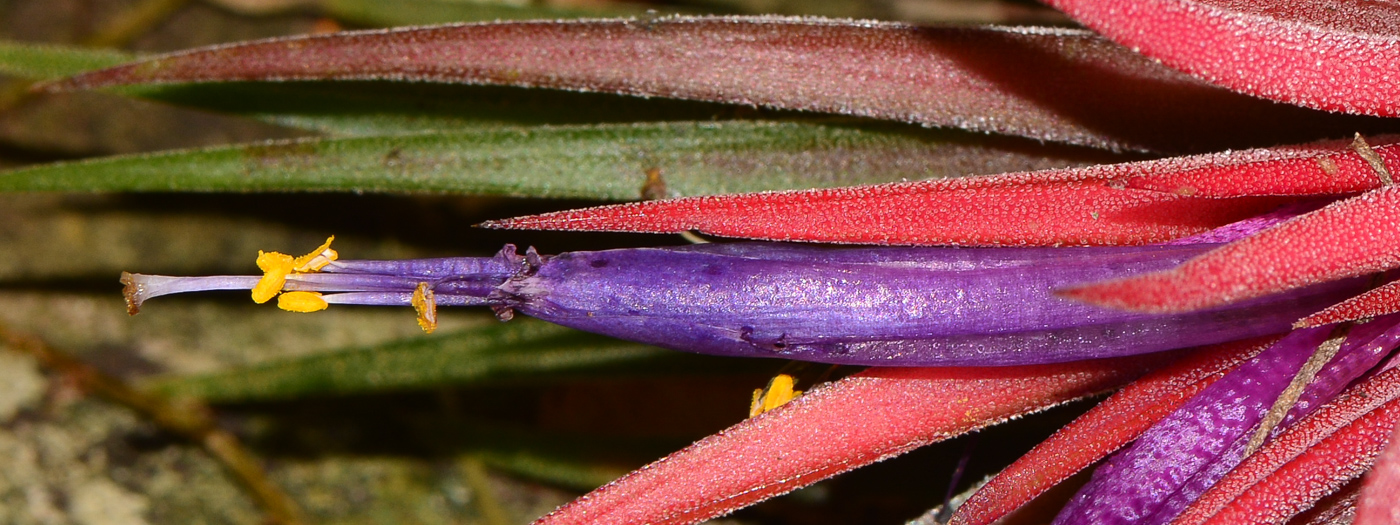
892 306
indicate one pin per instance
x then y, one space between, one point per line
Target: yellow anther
275 267
304 302
426 305
778 393
317 259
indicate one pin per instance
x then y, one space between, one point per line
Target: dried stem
490 508
1289 397
1374 159
134 22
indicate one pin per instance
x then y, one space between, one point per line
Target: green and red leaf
1048 84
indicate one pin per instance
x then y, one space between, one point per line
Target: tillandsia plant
1235 291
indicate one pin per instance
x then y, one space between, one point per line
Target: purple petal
882 306
1238 230
1180 457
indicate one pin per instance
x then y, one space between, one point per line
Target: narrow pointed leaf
1331 55
1057 85
859 420
1380 301
1347 239
1108 426
1326 168
385 107
596 162
369 108
1076 206
1378 504
1330 420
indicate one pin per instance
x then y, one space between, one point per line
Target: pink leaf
1049 84
1326 54
1043 208
1108 426
877 414
1247 488
1379 504
1346 239
1325 168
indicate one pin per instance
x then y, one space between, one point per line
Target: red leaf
1326 168
1316 445
1377 302
877 414
1331 55
1346 239
1043 208
1058 85
1107 427
1379 504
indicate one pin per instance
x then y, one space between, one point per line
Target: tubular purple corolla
869 306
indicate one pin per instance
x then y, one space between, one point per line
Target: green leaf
578 461
380 107
564 470
42 62
596 162
524 349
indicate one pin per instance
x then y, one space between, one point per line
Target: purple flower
928 306
890 306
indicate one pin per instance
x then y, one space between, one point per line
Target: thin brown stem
132 23
189 419
486 503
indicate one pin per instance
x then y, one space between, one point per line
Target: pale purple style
865 306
